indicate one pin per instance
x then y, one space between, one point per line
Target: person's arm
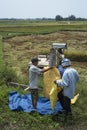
40 71
64 82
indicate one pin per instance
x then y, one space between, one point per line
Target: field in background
22 48
26 27
19 48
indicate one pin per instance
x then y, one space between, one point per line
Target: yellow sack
49 77
74 99
50 88
53 95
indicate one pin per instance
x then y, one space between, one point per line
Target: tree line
70 18
57 18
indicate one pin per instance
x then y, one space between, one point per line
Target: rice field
16 51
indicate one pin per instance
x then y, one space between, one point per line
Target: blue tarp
19 102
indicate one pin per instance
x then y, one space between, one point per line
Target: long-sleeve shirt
69 80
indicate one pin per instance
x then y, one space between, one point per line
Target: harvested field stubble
22 48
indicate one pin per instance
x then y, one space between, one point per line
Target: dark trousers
65 102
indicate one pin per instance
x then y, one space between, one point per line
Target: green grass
1 52
24 27
38 22
19 120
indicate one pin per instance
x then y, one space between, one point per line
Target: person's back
70 78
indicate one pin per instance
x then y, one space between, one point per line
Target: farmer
69 79
34 71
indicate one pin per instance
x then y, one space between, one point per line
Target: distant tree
58 18
71 18
81 19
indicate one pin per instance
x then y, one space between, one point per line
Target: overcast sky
42 8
